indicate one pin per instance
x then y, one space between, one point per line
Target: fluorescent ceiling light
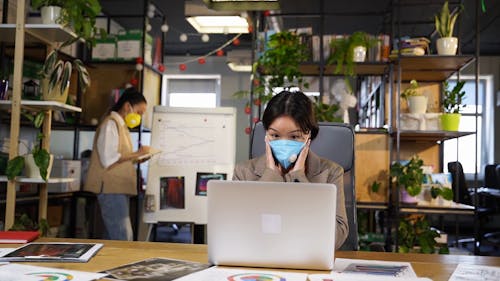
219 24
239 67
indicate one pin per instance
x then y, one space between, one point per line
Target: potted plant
56 74
80 15
452 104
416 235
326 112
38 163
24 223
346 51
280 64
410 176
417 103
50 10
445 23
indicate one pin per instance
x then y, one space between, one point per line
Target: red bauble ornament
248 109
256 82
182 67
257 102
134 82
202 61
267 13
250 29
248 130
139 60
255 119
161 68
220 53
236 42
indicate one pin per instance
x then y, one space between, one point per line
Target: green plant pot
450 121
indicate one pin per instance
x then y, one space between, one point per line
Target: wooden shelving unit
19 33
429 136
431 68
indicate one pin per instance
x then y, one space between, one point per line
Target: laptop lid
271 224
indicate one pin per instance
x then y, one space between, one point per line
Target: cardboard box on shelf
129 46
105 49
422 122
65 169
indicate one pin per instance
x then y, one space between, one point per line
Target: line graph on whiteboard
200 140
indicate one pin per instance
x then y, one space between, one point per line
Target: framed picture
202 180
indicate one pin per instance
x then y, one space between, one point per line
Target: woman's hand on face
300 164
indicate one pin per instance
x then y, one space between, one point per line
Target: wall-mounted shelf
431 68
35 105
406 135
36 180
363 68
37 33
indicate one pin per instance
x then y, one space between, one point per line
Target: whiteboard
197 144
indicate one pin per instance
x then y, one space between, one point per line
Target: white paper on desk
356 277
471 272
23 272
374 268
223 273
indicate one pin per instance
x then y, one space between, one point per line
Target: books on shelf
418 46
53 252
14 237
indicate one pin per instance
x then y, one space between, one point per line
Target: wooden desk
116 253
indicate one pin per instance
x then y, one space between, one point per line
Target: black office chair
490 198
464 196
335 141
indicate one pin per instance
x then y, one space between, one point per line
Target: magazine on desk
154 269
53 252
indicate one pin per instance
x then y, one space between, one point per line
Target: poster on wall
202 180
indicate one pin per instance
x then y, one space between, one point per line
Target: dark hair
130 95
296 105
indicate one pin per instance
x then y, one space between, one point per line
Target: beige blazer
319 170
118 178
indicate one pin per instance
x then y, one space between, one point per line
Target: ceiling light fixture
219 24
240 60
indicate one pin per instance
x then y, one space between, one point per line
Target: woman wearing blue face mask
290 127
112 174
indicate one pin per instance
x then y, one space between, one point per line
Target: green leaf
42 159
447 193
66 75
56 75
38 119
14 167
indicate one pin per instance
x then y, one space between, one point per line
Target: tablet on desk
271 224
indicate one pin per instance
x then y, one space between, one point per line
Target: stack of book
412 47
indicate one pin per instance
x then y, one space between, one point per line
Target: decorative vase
417 104
50 14
55 94
406 198
450 121
447 46
359 54
31 170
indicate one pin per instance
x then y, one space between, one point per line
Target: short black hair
296 105
130 95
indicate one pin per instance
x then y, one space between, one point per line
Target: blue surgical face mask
286 151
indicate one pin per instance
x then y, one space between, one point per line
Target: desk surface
116 253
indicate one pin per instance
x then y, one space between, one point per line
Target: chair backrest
458 183
492 176
335 141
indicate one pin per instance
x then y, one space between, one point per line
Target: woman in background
112 173
290 127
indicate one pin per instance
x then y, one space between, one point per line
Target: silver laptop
271 224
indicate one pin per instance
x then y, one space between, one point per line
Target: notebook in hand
271 224
18 236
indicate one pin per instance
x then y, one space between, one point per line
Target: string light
198 59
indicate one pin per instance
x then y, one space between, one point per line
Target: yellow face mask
132 120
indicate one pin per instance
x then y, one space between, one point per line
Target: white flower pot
50 14
31 170
447 46
359 54
417 104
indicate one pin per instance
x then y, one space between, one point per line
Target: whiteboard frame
194 205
